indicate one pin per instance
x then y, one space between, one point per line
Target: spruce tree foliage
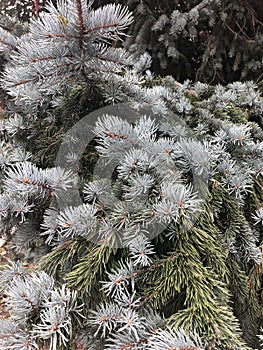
32 298
21 9
195 285
215 41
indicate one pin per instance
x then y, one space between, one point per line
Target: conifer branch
61 35
13 47
191 175
105 26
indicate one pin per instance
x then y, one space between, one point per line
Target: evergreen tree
215 41
152 237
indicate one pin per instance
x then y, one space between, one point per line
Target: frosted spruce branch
30 295
67 43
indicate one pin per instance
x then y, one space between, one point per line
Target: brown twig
80 22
